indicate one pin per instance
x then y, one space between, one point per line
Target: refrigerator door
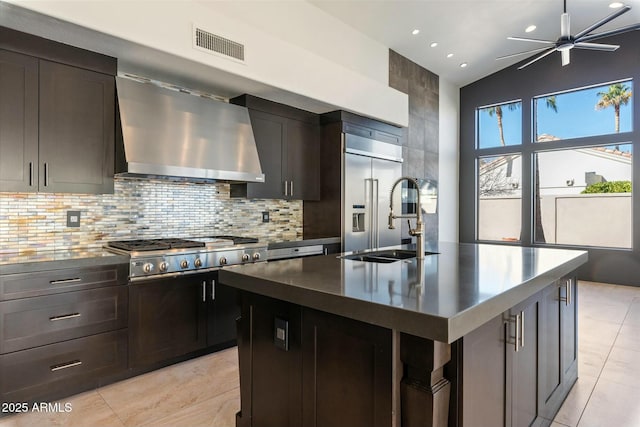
357 205
384 174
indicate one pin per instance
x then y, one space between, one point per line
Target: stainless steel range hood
173 134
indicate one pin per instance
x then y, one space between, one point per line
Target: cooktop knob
163 266
245 257
256 256
184 263
147 267
223 261
198 263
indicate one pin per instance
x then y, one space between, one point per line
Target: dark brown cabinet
500 369
288 147
558 346
63 331
18 122
222 312
57 117
297 359
167 319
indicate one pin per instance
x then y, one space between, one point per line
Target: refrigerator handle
376 216
368 199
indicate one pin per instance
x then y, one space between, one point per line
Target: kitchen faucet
419 230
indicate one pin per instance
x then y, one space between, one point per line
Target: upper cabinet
288 147
57 117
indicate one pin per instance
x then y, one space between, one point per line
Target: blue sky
576 117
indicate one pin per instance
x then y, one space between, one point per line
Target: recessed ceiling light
449 55
414 32
463 65
616 5
530 28
434 44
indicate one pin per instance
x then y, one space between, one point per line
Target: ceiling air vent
214 43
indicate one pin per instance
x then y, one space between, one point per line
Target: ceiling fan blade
524 39
565 31
566 57
596 46
604 34
521 53
537 58
600 23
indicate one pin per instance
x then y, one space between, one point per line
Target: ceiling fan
582 40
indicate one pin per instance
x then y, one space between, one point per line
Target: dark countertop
463 286
57 260
304 242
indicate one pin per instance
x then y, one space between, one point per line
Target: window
500 125
584 196
499 197
598 110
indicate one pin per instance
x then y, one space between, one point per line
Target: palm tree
618 95
497 111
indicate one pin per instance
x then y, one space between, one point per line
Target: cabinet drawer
24 285
32 322
62 368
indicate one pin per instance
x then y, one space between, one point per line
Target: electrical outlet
73 218
265 216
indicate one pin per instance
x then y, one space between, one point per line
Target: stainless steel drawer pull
46 174
522 329
65 365
213 290
30 174
59 282
291 188
286 188
64 317
204 291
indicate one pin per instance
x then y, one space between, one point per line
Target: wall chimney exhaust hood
177 135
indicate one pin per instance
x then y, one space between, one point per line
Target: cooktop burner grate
237 240
154 244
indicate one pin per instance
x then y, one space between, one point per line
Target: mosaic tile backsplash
34 222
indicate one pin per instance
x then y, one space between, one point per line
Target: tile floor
204 391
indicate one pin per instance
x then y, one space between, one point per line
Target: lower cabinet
558 346
56 370
523 361
297 358
167 319
222 311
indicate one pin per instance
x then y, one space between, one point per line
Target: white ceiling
475 31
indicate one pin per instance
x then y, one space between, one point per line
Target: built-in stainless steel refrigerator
370 169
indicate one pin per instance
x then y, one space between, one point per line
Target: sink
386 256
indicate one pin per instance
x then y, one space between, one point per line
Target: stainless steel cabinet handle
291 188
569 293
522 329
204 291
517 319
286 188
65 365
213 290
59 282
46 174
64 317
30 174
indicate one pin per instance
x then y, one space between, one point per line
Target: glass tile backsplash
33 222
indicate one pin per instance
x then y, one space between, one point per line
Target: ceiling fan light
434 44
414 32
616 5
449 55
530 28
464 65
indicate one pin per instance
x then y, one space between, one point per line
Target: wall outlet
73 218
265 216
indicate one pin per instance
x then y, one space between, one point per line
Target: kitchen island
473 335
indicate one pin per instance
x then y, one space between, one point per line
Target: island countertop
443 298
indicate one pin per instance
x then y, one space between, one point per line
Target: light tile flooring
204 391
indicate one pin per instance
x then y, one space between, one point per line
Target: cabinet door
270 132
77 130
18 122
224 310
522 364
303 160
167 318
483 373
550 373
335 349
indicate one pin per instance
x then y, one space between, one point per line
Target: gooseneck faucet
419 230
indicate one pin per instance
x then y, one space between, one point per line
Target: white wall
449 112
290 67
